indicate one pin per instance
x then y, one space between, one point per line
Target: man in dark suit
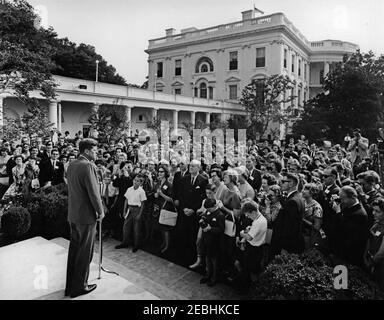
45 154
190 201
51 170
254 178
351 227
287 233
330 189
178 187
84 209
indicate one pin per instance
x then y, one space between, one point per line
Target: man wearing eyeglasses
330 190
287 233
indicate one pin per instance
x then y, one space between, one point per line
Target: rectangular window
210 89
305 71
159 69
321 76
233 92
260 90
285 57
177 67
196 92
177 91
292 97
233 60
299 97
293 63
305 96
299 67
260 57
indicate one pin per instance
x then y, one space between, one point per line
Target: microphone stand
101 244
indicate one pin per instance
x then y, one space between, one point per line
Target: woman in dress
313 216
31 176
18 174
230 206
164 200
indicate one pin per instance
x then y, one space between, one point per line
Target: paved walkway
158 276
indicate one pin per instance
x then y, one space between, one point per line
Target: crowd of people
226 218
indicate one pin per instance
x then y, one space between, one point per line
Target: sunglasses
161 171
283 181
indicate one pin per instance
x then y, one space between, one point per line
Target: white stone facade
218 62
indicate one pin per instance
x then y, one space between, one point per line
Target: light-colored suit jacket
84 200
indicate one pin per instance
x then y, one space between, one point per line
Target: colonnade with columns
55 112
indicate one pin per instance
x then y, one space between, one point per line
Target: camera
203 223
336 199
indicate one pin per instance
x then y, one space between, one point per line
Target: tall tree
267 102
352 97
79 61
25 64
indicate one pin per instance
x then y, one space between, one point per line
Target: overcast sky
120 29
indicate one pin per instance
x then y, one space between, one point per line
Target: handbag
167 217
35 184
230 227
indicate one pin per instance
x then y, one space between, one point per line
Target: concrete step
158 276
36 269
126 269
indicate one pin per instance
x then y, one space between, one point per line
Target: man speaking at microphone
84 210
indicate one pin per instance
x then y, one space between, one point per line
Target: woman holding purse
164 200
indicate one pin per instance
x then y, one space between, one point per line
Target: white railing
118 91
333 45
257 22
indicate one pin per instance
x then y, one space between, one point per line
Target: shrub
16 221
309 276
54 208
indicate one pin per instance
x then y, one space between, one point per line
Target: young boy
255 237
212 224
133 209
210 195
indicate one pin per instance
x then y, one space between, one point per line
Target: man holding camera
358 146
351 227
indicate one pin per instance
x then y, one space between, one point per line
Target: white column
175 119
52 113
282 57
59 111
326 68
207 118
1 111
154 112
193 118
95 108
129 119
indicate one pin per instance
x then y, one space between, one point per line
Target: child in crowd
212 226
109 195
133 209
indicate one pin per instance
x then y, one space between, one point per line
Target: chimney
170 32
249 14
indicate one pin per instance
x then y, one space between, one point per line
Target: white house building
219 61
